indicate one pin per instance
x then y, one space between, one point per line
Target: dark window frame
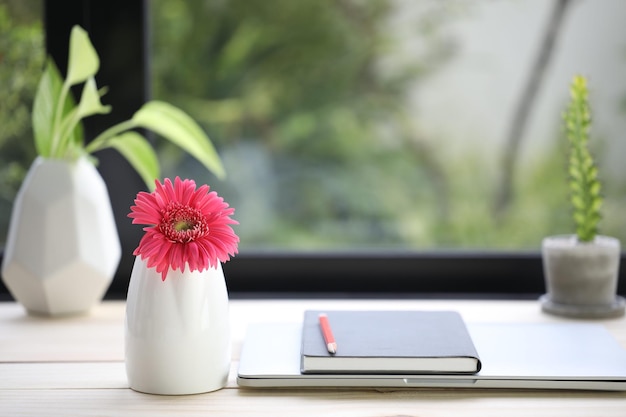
120 32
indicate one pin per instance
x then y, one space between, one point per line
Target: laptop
573 356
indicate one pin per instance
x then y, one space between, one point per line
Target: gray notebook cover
402 342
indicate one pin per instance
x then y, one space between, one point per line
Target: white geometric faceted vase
177 331
62 247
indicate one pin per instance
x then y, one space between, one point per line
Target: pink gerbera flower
187 227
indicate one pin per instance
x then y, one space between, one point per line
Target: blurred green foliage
308 104
21 62
312 121
300 84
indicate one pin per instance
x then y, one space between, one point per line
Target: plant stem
584 184
100 142
57 138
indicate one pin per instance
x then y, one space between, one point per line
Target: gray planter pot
581 278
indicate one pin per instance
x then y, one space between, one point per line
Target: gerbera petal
185 190
195 258
166 191
200 196
177 257
188 227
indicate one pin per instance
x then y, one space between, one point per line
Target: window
393 124
369 144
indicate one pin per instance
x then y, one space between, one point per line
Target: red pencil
327 332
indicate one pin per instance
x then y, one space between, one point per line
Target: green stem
57 138
100 142
66 130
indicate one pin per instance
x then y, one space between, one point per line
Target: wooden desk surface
75 367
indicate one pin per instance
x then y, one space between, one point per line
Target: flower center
183 224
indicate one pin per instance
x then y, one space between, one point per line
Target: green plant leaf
83 61
579 218
578 202
139 153
90 100
594 187
574 172
575 187
595 207
179 128
44 108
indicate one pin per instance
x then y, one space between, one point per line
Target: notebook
400 341
517 355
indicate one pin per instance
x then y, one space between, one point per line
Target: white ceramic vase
62 248
177 331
